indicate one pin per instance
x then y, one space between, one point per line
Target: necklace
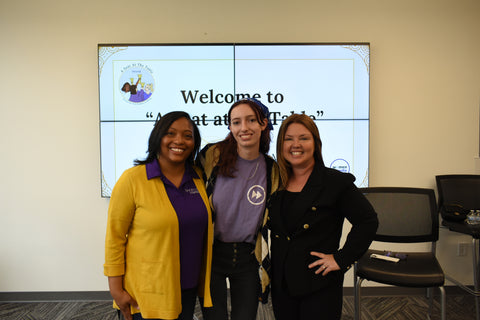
254 172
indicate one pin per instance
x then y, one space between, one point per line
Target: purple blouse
192 220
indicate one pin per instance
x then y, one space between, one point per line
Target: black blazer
328 197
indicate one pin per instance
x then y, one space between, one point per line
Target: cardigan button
288 238
306 226
314 208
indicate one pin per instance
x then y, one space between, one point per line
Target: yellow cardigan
142 244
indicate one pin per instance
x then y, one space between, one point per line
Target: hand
124 301
326 263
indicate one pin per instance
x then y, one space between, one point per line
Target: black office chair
459 189
462 191
406 215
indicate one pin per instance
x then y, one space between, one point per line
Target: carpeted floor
459 307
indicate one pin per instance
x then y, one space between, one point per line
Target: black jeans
189 298
237 262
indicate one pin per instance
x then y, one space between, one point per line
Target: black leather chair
406 215
462 190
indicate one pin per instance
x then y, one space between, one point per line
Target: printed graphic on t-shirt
256 195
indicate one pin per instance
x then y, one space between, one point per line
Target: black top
289 215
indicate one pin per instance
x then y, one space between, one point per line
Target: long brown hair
307 122
228 146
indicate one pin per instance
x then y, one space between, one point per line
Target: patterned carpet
459 307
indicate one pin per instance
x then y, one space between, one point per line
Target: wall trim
69 296
55 296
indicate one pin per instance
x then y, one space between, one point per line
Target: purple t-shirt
192 220
239 202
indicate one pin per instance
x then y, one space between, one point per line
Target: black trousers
237 262
324 304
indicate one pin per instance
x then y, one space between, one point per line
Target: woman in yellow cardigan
159 235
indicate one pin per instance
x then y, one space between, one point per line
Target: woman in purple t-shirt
240 178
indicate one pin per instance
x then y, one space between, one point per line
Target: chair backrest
459 189
405 215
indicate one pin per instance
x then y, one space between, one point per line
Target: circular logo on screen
136 83
340 165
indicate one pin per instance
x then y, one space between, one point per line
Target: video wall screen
140 83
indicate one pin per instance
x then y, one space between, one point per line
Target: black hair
132 88
160 130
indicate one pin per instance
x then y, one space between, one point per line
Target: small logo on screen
136 83
340 165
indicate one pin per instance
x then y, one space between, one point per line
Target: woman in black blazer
306 220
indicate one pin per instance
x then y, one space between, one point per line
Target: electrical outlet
462 249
